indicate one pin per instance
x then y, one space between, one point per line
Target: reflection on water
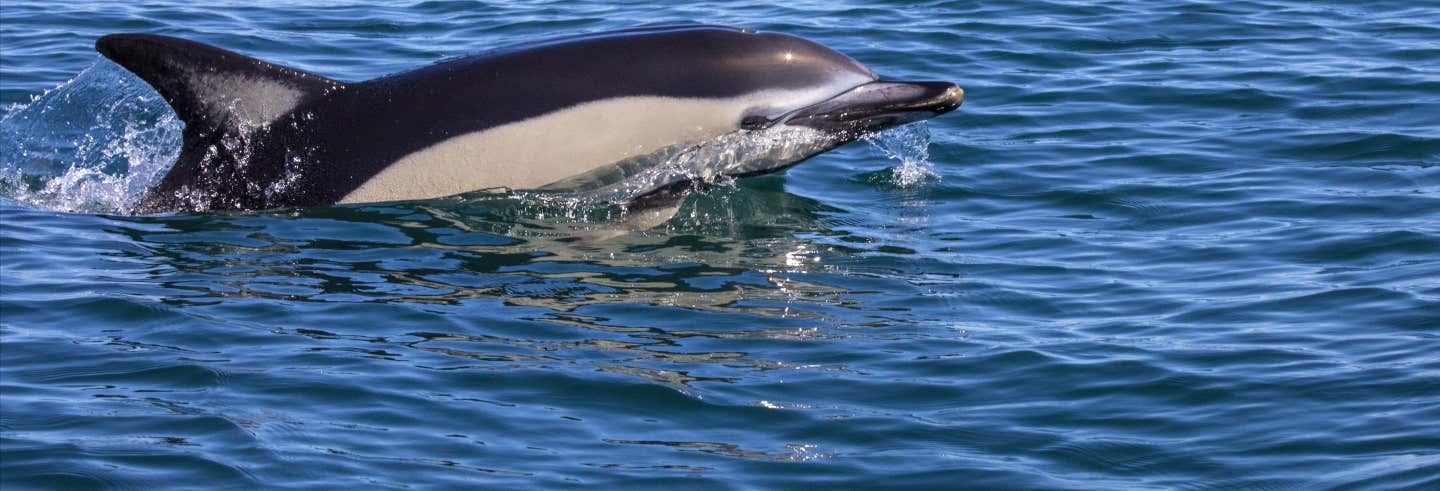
445 258
354 321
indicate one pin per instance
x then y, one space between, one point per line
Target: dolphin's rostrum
586 112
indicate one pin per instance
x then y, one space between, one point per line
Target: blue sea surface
1164 245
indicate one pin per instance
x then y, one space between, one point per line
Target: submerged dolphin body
625 114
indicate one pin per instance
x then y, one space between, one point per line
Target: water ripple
1172 245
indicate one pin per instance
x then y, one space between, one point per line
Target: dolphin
626 115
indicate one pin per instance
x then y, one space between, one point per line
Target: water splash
712 162
92 144
909 145
634 189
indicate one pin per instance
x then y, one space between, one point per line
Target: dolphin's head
873 107
831 92
773 78
807 98
756 79
736 102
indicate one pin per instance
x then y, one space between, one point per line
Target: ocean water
1163 245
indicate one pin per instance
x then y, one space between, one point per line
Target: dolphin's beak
877 106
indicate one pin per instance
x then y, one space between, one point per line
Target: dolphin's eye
754 122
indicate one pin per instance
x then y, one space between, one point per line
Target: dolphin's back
260 135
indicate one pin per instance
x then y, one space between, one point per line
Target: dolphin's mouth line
874 106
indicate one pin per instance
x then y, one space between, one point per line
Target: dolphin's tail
217 93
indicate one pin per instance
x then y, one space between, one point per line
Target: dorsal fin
209 87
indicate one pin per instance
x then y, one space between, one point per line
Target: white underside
534 152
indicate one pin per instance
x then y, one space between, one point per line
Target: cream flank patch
534 152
